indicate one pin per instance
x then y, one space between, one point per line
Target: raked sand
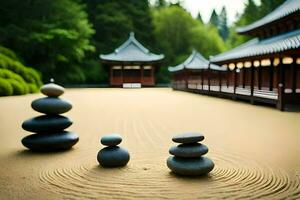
255 149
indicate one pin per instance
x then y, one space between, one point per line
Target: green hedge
18 88
5 88
29 75
16 79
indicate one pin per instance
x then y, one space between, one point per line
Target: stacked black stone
49 128
188 156
112 155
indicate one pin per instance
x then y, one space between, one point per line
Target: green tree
173 30
268 6
247 16
207 40
53 36
160 3
199 18
16 79
113 20
177 33
214 18
223 25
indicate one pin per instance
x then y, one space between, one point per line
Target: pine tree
248 17
160 3
268 6
199 18
214 18
223 27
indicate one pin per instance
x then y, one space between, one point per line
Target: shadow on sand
206 177
29 153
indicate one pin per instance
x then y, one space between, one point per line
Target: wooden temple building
265 69
196 73
131 65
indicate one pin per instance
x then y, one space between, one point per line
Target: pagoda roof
256 47
289 7
132 51
195 62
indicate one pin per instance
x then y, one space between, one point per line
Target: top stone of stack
52 89
111 140
187 138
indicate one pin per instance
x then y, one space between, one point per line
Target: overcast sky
206 6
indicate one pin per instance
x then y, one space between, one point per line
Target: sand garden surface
255 149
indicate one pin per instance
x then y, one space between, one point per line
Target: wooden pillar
244 76
228 72
202 76
252 81
281 86
220 80
259 76
235 78
111 75
152 74
122 70
208 76
271 74
186 77
142 74
294 75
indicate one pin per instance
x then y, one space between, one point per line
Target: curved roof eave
287 8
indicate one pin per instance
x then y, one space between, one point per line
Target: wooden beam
186 77
235 79
202 81
208 76
252 81
152 74
244 77
259 75
220 81
294 75
122 68
271 74
281 86
227 76
111 75
142 75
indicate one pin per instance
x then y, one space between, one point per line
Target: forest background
62 39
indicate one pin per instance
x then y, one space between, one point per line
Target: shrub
5 88
29 75
22 79
17 82
18 88
8 53
6 74
33 88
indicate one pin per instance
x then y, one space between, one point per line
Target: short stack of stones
112 155
49 128
188 157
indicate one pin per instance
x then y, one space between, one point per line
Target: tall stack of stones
112 155
188 157
49 128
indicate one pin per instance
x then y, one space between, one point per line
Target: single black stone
50 142
51 105
52 90
189 150
188 138
113 156
47 124
190 166
111 140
